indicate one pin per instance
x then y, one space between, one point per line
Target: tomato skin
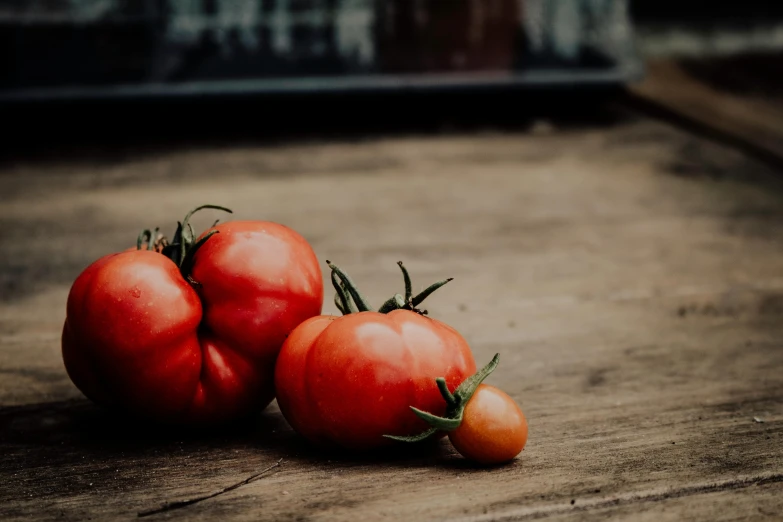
139 337
493 429
350 380
290 377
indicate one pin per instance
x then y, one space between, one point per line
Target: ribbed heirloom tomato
347 381
189 331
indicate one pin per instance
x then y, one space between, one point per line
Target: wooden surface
630 276
735 100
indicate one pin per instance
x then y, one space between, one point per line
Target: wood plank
629 276
743 500
728 99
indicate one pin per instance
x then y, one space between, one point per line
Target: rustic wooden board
630 277
734 99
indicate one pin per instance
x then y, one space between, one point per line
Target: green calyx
409 301
348 299
183 246
455 404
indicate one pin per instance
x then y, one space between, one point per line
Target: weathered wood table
630 276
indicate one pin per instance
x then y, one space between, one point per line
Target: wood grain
630 277
735 99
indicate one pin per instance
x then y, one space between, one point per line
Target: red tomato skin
139 336
362 373
493 429
302 414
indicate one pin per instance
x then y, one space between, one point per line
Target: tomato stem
185 238
424 294
448 423
465 391
187 262
424 435
408 285
396 302
183 246
456 403
158 240
341 299
347 284
144 237
410 302
186 221
444 391
348 299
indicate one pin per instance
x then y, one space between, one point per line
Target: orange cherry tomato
493 428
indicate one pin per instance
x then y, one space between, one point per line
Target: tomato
347 381
484 424
290 382
192 339
493 428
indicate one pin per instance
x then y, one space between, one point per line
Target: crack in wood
170 506
532 513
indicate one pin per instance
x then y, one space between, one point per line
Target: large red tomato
350 380
194 338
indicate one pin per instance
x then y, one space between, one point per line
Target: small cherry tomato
493 428
484 424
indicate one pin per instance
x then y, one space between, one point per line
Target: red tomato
493 428
141 337
349 380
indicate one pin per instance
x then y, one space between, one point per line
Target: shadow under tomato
423 453
69 433
431 453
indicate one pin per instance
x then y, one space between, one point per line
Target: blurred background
83 48
280 60
302 66
98 48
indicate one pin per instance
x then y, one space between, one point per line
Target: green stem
358 298
468 387
353 300
408 285
444 391
339 305
410 302
341 299
455 402
424 294
191 236
393 303
185 235
450 423
184 245
144 237
154 238
202 207
187 262
414 438
178 245
351 305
